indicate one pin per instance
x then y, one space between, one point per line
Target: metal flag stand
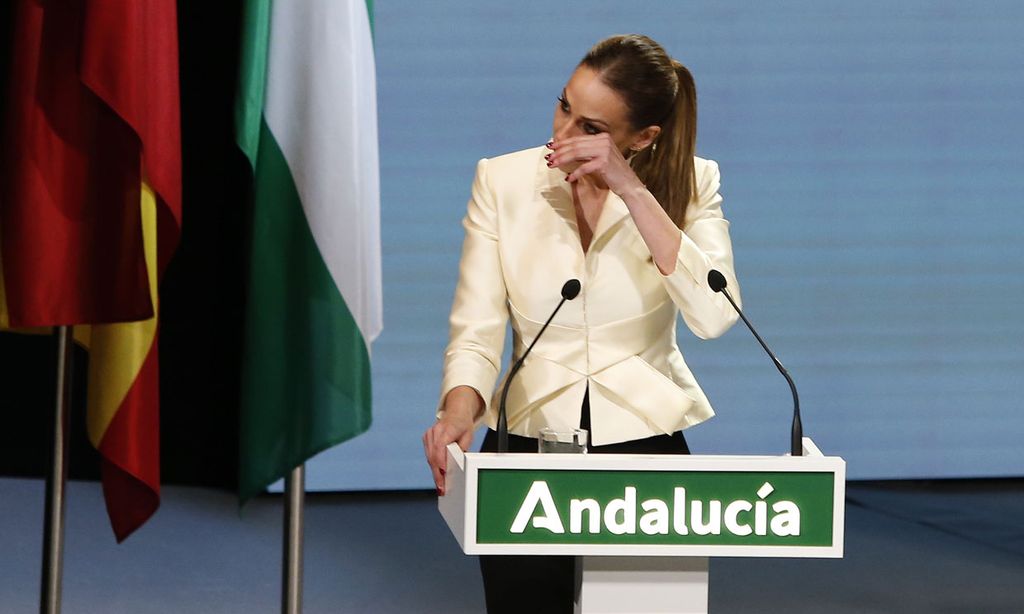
294 496
56 480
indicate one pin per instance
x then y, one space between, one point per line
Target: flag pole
294 499
56 480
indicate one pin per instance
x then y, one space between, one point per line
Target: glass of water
569 441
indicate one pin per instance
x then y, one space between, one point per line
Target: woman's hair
658 91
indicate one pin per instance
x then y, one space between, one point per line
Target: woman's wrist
463 403
635 192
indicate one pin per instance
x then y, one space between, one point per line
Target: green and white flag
306 117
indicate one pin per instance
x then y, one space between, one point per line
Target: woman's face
587 107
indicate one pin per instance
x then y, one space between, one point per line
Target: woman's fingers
586 138
584 169
582 150
437 464
435 446
593 155
439 457
578 152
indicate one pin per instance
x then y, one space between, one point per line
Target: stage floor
911 547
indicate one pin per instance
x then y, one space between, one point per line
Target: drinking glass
569 441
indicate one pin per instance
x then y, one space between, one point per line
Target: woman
618 200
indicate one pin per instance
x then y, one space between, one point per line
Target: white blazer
617 338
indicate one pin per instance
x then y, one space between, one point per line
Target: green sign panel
749 508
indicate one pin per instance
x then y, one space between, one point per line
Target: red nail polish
550 144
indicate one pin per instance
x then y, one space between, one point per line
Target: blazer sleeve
705 245
479 312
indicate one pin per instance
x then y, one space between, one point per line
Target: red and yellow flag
90 212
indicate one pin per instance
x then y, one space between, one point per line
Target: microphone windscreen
716 280
571 289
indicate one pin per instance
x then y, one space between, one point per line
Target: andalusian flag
90 212
306 118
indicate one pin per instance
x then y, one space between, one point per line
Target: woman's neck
588 200
589 189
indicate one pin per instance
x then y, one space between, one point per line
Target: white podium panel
645 524
643 585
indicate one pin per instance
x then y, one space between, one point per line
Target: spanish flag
90 212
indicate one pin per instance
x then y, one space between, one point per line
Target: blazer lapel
554 190
613 213
558 193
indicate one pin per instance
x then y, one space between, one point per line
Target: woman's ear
645 138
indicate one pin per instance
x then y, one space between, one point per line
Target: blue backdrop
871 167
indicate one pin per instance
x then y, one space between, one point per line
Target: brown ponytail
658 91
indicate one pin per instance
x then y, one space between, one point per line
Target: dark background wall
202 293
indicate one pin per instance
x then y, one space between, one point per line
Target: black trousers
547 584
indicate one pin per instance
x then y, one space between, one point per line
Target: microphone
717 282
570 290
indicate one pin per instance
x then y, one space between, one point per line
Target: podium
644 526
